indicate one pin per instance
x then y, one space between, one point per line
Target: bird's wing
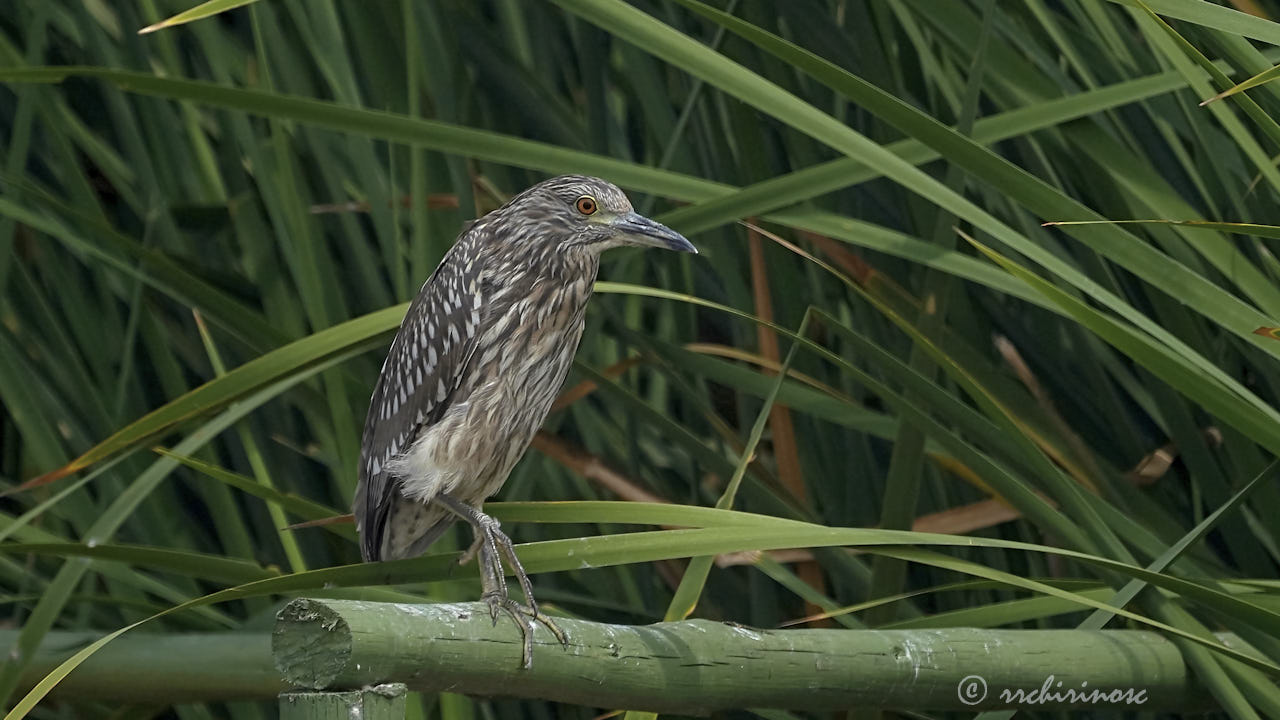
423 369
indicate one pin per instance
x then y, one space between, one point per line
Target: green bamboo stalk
153 668
700 666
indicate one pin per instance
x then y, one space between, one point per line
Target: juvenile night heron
472 373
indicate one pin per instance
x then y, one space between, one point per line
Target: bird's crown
563 193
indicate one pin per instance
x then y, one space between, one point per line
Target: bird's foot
491 547
503 603
524 617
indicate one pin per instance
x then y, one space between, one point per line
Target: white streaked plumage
479 359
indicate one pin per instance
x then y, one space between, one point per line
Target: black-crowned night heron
472 373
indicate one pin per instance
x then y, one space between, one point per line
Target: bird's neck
559 283
577 265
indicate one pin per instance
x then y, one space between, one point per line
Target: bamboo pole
158 668
700 666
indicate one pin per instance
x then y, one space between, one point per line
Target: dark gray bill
640 230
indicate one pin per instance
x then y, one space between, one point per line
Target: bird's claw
495 606
491 548
555 630
517 613
521 615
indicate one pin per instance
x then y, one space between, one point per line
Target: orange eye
586 205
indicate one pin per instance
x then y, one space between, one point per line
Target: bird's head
587 213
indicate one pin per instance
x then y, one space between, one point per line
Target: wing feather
424 367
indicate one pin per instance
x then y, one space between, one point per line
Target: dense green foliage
246 200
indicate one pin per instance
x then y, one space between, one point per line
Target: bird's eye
586 205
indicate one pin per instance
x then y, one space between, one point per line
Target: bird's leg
485 548
491 547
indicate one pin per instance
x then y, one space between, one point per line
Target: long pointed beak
640 230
